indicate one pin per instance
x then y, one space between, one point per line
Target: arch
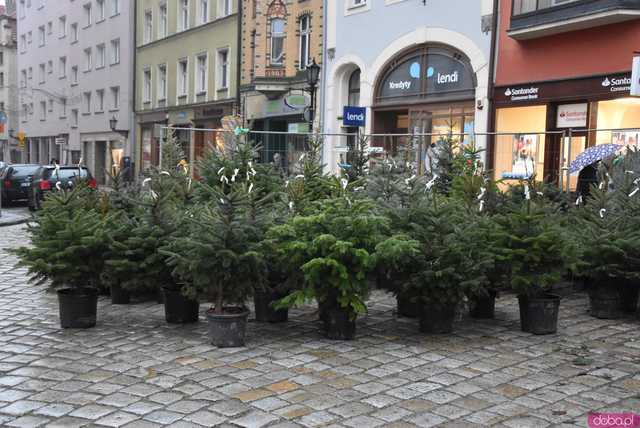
277 9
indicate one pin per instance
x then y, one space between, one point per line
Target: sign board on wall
572 115
635 76
354 116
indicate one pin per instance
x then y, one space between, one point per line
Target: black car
50 178
16 181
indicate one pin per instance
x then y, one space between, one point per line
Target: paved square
134 370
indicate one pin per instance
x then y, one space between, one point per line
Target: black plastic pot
629 292
407 308
338 325
438 319
78 307
483 307
539 315
227 330
264 310
120 296
179 309
605 302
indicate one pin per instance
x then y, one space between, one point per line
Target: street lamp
113 122
313 75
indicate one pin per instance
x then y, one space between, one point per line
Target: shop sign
617 84
635 76
572 115
298 128
524 151
354 116
296 102
522 94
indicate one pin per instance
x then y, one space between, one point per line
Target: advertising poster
626 138
524 156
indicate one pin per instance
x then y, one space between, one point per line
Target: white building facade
75 74
10 150
416 66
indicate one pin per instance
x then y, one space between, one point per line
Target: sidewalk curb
14 222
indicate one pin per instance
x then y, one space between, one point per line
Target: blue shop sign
354 116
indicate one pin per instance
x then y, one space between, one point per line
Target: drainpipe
325 61
239 58
132 122
491 140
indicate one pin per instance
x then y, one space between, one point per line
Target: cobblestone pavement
134 370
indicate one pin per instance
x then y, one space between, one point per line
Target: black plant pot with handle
179 309
265 312
629 292
437 318
406 307
604 301
539 314
483 307
338 324
78 307
227 330
119 295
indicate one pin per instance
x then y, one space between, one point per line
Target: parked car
16 181
50 179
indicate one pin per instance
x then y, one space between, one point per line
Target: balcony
539 18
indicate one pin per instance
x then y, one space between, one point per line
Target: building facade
186 72
563 80
280 38
75 65
10 148
416 66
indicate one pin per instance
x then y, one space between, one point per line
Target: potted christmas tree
540 254
334 251
215 259
67 252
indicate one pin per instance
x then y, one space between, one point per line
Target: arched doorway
427 89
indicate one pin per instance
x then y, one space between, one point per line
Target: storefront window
519 145
620 121
146 149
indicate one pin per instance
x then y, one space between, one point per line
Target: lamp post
313 75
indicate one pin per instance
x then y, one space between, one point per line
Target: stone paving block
426 420
21 407
69 422
117 419
28 422
206 418
391 414
92 411
54 410
163 417
255 419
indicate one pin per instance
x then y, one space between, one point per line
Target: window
43 110
354 89
23 43
30 37
50 104
88 63
42 73
225 8
526 6
204 11
148 26
183 77
87 103
115 7
101 12
99 100
201 76
305 41
223 69
74 118
115 98
183 15
63 107
49 28
22 9
357 3
74 32
146 96
277 41
41 36
162 82
115 51
1 58
163 27
1 79
87 14
49 67
100 56
30 73
62 67
74 75
62 26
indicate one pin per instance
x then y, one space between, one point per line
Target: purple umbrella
593 154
